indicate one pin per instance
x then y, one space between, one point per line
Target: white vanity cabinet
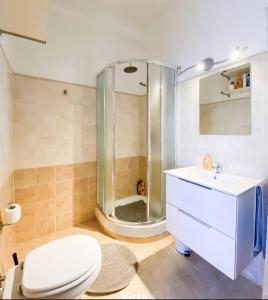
217 225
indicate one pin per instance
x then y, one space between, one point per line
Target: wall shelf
239 93
235 94
232 98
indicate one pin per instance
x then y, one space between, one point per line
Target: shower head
130 69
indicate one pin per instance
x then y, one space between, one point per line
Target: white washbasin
228 183
211 177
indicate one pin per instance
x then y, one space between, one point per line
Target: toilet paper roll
12 213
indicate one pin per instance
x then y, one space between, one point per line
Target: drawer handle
195 219
193 183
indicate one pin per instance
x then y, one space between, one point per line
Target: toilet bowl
62 269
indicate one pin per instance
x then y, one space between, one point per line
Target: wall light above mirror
208 63
225 102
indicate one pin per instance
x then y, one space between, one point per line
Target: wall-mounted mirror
225 102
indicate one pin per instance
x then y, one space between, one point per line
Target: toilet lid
59 263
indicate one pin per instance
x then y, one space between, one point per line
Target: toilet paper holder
12 214
2 225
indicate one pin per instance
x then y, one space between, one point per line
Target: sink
225 182
212 178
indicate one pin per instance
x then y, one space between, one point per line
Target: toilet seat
88 277
60 266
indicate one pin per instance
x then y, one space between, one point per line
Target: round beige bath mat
119 267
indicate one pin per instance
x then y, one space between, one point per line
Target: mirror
225 102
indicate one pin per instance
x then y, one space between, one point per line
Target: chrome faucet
218 167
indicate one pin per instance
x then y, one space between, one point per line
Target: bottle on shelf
248 80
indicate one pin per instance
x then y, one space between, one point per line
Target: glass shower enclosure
135 140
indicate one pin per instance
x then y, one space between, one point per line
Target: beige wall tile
121 164
64 172
85 217
45 192
64 187
9 236
57 128
23 248
25 231
6 117
48 130
24 178
45 226
45 175
133 163
81 185
128 171
82 202
64 204
25 196
64 221
93 190
29 213
131 131
8 233
45 209
77 219
83 170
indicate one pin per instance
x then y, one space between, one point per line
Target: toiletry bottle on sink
207 162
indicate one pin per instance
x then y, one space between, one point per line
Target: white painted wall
190 30
265 282
243 155
6 118
239 154
85 35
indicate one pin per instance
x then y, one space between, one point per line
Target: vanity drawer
215 208
215 247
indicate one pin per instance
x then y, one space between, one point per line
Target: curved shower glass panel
136 140
105 138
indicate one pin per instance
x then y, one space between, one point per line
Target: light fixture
235 54
200 66
208 63
205 64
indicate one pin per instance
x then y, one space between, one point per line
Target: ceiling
86 35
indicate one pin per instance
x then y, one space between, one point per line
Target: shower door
161 136
105 141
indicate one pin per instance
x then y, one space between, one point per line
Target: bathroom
99 98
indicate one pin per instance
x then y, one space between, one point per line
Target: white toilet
62 269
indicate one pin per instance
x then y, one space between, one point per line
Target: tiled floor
163 273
